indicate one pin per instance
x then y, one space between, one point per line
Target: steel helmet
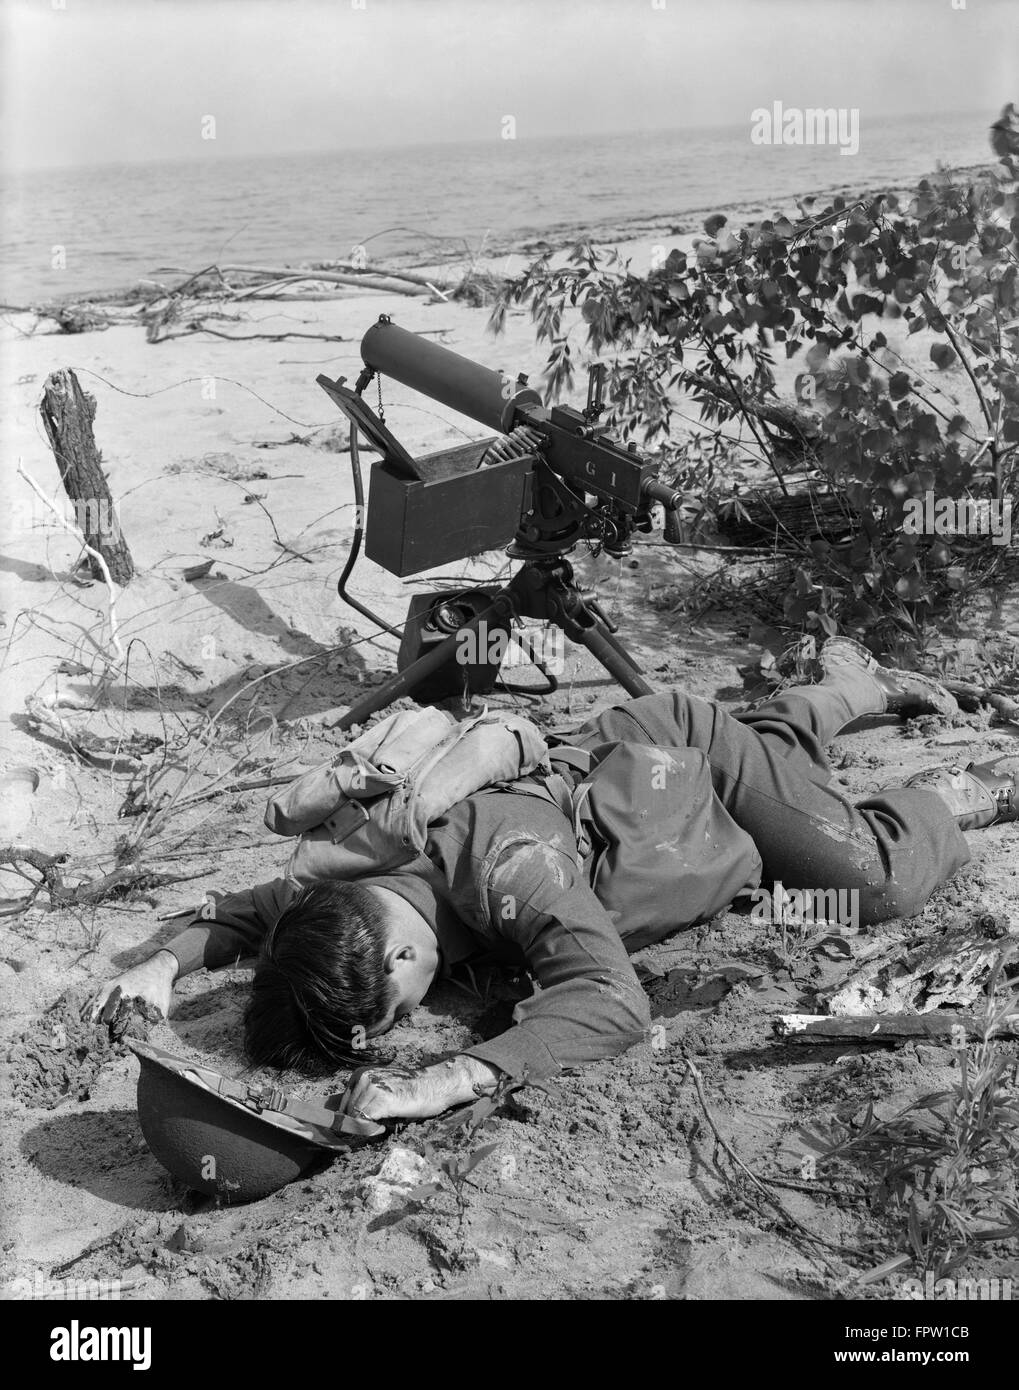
232 1139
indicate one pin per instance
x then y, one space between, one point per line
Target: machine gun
550 479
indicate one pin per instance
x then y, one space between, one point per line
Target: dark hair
320 975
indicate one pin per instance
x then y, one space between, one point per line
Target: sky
96 81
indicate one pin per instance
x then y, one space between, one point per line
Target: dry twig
758 1184
99 559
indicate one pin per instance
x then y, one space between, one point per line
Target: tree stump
67 412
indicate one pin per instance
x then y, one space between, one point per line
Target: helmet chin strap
261 1097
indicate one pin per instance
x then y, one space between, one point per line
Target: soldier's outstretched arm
589 1004
225 928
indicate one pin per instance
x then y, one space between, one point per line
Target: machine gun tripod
554 480
543 589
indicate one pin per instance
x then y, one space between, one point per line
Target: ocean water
121 222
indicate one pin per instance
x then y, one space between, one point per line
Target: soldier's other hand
152 982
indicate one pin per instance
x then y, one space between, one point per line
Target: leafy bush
871 427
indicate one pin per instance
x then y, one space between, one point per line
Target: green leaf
423 1191
898 386
887 1267
955 577
803 584
960 230
942 355
817 356
911 588
478 1156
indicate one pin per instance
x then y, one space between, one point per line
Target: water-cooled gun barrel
478 392
575 447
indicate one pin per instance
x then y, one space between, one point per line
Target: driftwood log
973 696
67 413
120 881
408 275
802 514
370 280
922 977
885 1028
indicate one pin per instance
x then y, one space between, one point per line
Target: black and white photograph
509 668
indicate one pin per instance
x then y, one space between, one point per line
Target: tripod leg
549 593
614 657
614 642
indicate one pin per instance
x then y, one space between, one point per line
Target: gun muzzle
463 385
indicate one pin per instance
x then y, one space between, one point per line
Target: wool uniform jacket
642 848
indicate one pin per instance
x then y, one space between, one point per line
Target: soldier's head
342 964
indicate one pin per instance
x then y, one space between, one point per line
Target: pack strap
578 758
567 794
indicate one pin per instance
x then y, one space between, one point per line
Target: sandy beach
588 1194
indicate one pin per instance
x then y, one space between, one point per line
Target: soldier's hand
152 981
390 1093
409 1093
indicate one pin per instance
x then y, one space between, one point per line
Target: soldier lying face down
657 814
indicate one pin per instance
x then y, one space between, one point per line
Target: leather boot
907 693
979 794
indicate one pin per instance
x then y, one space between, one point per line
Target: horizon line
210 156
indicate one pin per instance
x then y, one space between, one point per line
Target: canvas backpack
368 810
